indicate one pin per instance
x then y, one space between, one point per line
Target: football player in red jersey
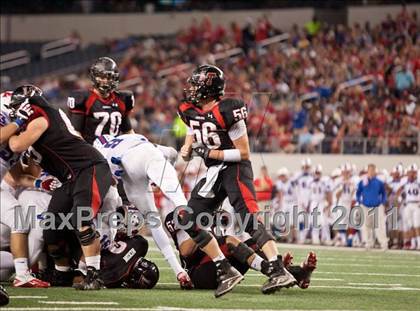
103 109
218 134
82 170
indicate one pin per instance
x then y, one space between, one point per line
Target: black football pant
234 182
82 196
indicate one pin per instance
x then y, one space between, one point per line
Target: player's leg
380 231
89 190
416 222
15 216
237 181
142 165
200 203
38 201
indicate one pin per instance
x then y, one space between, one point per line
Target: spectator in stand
264 189
345 114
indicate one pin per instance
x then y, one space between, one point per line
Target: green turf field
345 280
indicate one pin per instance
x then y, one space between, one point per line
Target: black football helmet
22 93
144 275
104 75
206 82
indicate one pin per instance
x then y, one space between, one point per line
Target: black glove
202 151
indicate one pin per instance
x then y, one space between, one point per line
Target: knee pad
241 252
201 238
261 236
86 237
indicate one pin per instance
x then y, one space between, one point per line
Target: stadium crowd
316 60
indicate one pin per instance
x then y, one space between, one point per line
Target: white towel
211 177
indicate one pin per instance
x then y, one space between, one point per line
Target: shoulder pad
127 97
232 111
182 109
77 100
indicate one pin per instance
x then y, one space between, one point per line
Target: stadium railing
14 59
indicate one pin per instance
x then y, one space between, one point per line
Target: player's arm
186 149
76 105
34 130
8 131
128 98
22 114
239 136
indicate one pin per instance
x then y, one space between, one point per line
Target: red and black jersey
94 116
211 127
61 152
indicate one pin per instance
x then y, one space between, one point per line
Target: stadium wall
274 161
376 14
96 27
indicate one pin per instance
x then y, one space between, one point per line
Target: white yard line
73 302
395 288
374 284
159 308
366 273
28 297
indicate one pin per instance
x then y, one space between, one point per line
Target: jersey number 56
206 134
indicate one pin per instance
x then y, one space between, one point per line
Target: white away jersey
288 191
7 157
318 191
411 191
115 147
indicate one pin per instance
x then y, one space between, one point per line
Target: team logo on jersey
210 115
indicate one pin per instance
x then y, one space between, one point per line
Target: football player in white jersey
139 163
320 207
344 197
10 124
303 180
394 182
410 191
286 200
30 199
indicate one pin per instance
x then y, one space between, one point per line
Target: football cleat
308 266
4 296
28 280
278 276
92 281
227 278
287 260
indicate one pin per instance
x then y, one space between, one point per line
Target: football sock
418 242
256 263
219 258
162 242
6 260
21 266
94 261
62 268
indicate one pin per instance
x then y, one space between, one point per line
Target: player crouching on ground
241 255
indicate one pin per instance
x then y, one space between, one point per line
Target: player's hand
48 184
202 151
186 153
22 114
184 280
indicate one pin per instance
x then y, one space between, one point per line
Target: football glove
202 151
48 184
184 280
22 114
